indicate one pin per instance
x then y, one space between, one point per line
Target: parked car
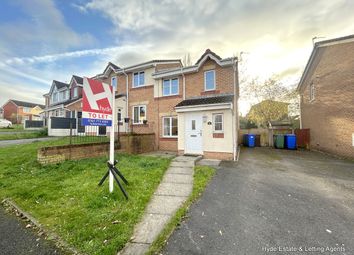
5 123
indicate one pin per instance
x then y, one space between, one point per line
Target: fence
34 124
78 134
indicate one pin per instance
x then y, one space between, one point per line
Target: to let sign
96 103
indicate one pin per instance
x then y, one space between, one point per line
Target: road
272 202
15 239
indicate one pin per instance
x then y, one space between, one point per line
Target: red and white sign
96 103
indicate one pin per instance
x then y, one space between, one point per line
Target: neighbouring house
18 111
1 113
191 110
63 98
326 93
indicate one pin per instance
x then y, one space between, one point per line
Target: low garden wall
132 144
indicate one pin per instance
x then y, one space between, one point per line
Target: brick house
64 99
18 111
327 96
192 110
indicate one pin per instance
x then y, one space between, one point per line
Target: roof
218 99
320 44
78 79
208 54
60 84
26 104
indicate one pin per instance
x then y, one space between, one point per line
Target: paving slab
165 204
149 228
178 178
177 189
182 163
180 170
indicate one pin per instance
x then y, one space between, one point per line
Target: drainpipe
127 100
235 109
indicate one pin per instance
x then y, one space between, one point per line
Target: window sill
206 92
142 86
140 124
169 138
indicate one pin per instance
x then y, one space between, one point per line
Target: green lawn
25 135
65 198
15 127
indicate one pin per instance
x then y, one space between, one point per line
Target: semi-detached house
191 110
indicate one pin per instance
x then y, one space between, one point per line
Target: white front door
193 134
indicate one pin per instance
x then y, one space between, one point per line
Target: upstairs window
139 79
218 126
26 109
209 80
312 91
139 114
76 92
114 82
170 127
170 87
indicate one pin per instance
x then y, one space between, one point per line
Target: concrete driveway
272 202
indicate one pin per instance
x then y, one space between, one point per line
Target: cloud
41 30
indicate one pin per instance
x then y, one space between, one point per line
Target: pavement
272 202
5 143
16 239
173 191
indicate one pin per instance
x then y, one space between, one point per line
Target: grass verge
14 128
65 198
24 135
202 176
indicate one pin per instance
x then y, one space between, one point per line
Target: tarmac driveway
272 202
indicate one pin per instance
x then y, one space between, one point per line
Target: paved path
5 143
15 239
272 199
173 191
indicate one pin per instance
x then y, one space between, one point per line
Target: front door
193 133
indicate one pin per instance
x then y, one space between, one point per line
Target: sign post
98 109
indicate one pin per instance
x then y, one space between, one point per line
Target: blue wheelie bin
249 140
290 142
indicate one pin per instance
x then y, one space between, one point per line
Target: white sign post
111 141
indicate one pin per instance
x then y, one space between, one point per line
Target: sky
45 40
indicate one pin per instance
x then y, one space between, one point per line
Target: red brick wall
10 112
224 77
330 116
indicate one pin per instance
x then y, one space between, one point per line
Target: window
119 115
139 114
26 109
114 82
312 91
209 80
218 123
170 87
193 124
76 92
139 79
170 127
55 97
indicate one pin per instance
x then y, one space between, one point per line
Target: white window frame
222 123
163 127
140 121
205 74
76 92
26 109
312 91
138 85
170 85
114 78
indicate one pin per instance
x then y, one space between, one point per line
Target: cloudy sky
42 40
